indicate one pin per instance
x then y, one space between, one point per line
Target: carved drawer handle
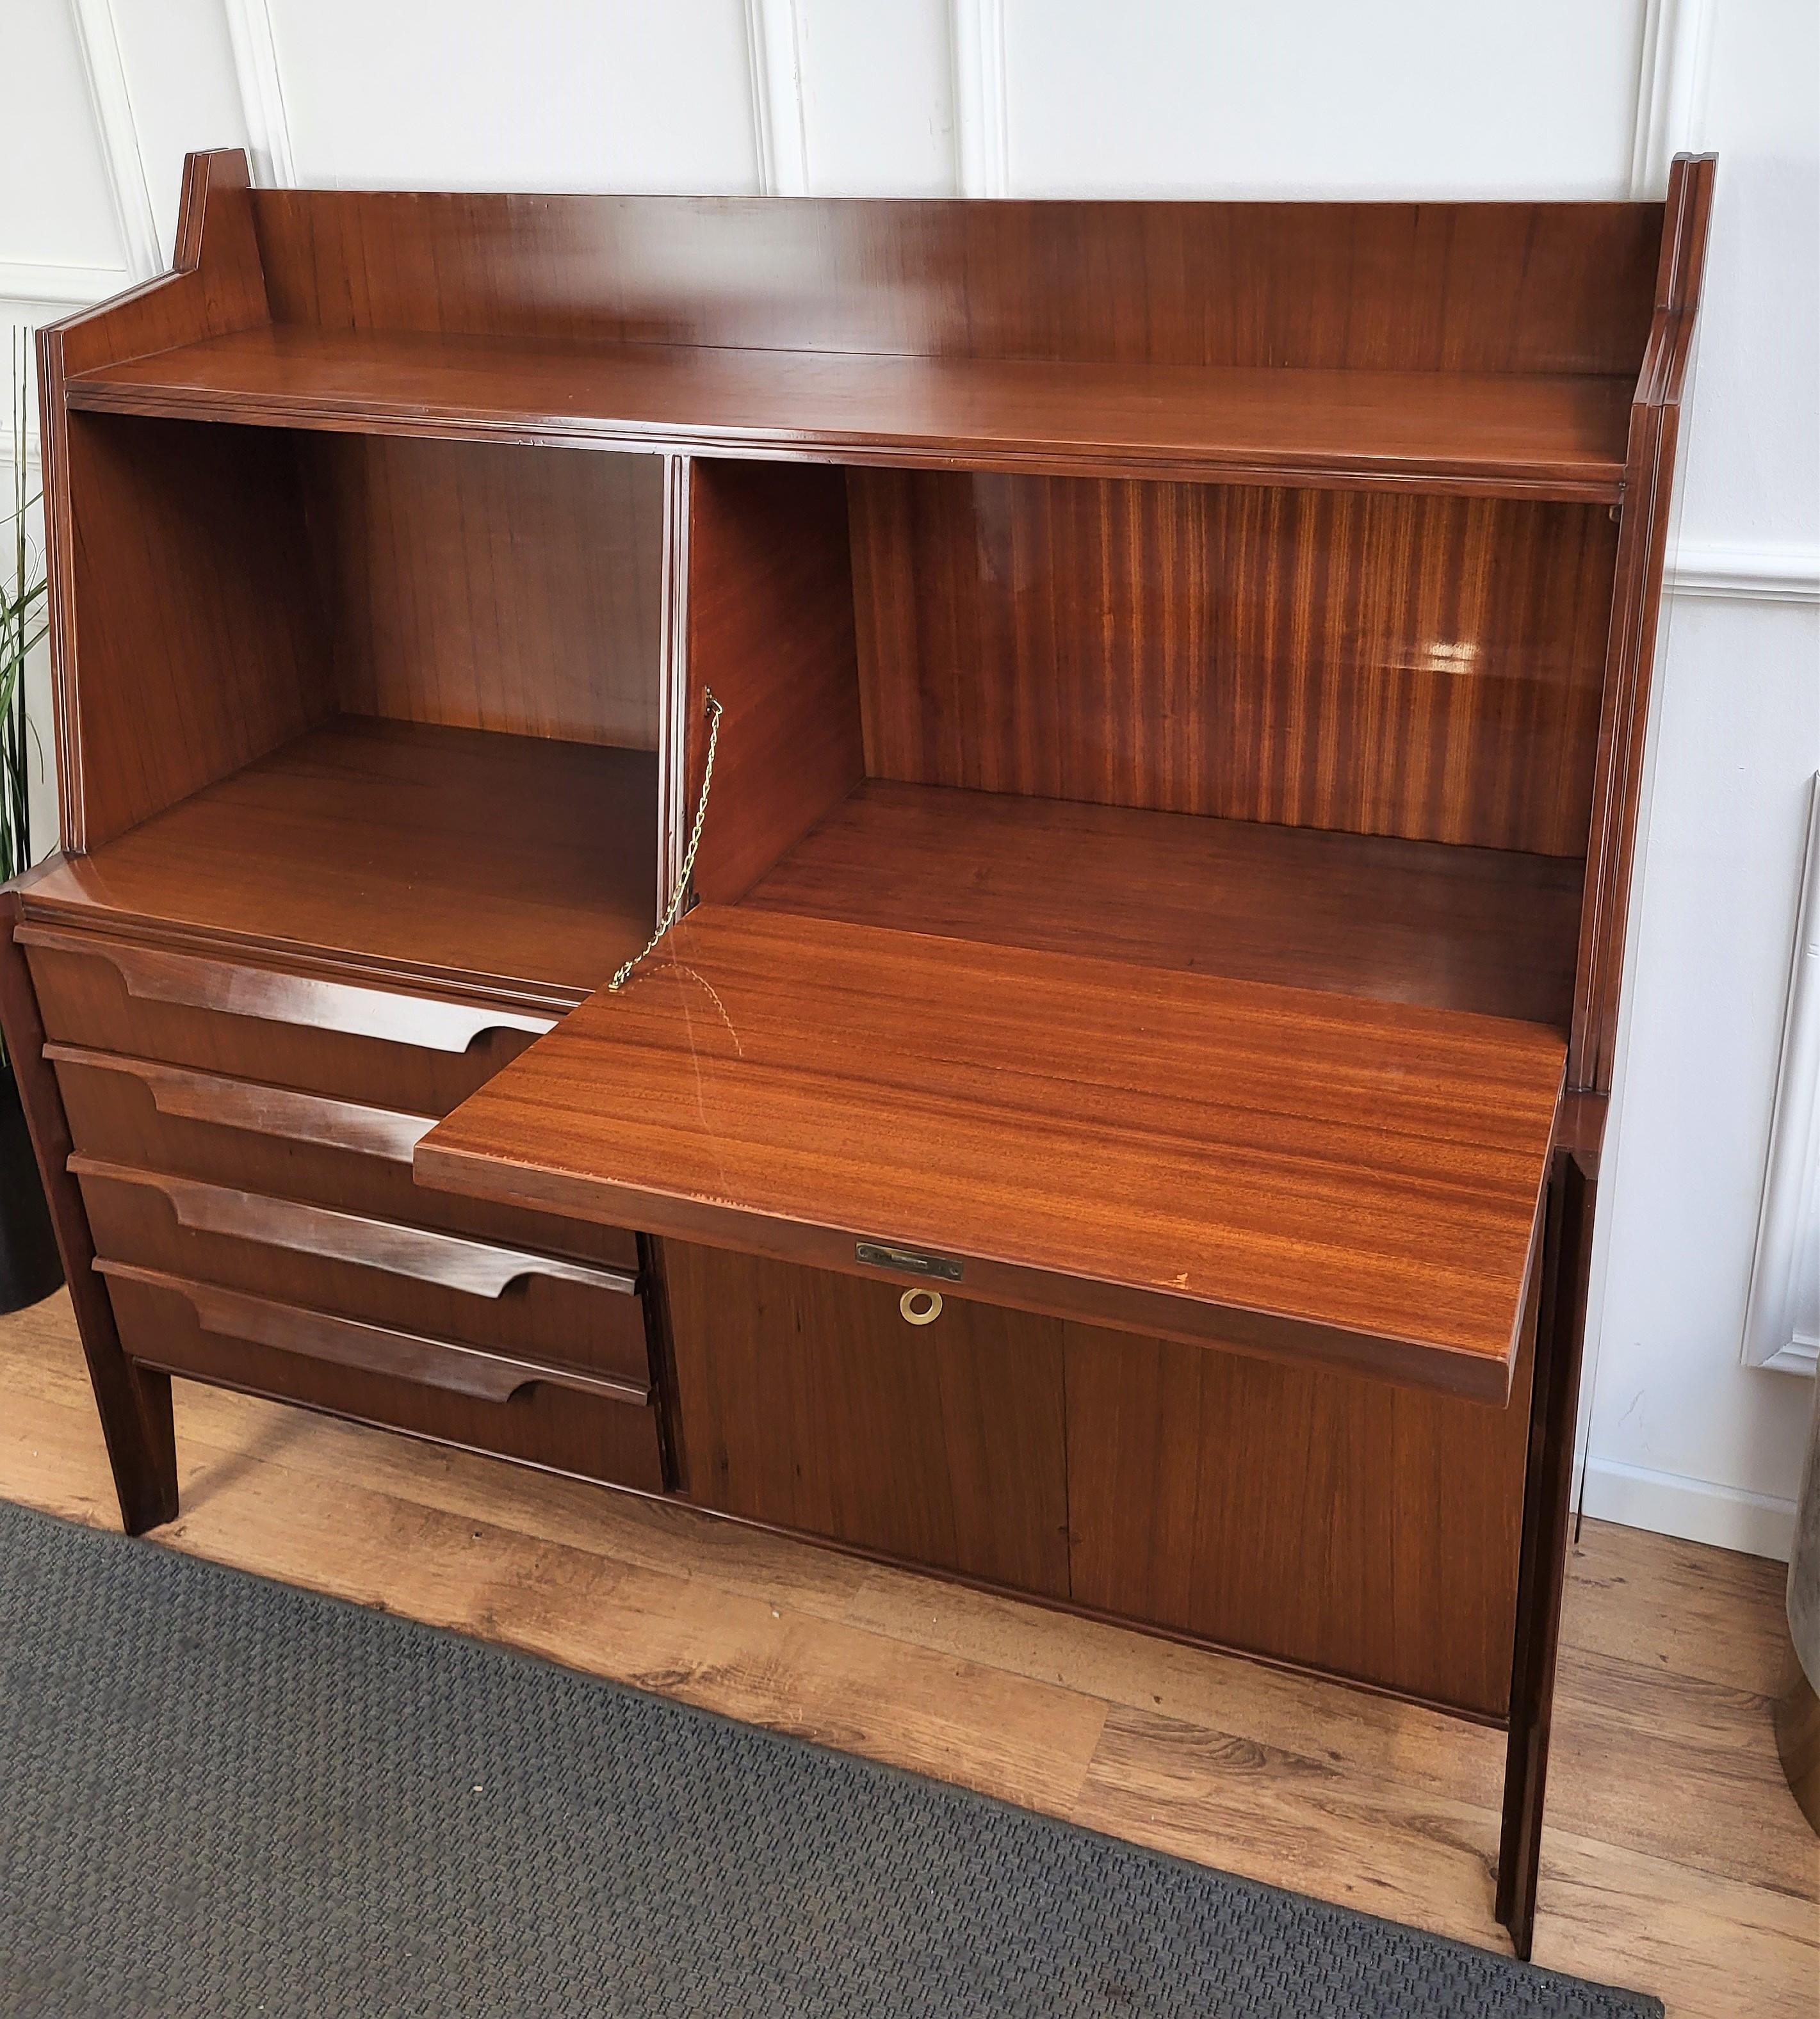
451 1260
182 1094
149 974
231 1315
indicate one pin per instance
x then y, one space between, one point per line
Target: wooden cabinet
1132 763
1324 1519
809 1402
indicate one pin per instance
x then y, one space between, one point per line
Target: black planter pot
30 1269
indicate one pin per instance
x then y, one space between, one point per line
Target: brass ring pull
920 1307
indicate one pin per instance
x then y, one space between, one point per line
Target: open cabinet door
1307 1176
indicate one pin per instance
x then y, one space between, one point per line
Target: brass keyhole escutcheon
920 1307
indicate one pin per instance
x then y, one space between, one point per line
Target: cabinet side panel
1331 1521
1425 667
200 643
806 1401
770 624
514 589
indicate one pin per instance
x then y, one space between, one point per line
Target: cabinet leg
1548 1494
134 1404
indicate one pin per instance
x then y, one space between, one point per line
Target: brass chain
673 910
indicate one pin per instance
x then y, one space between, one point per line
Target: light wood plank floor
1674 1861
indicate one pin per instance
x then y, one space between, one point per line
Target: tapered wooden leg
135 1406
1547 1506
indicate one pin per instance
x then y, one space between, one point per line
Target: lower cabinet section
565 1419
1322 1518
807 1400
1325 1519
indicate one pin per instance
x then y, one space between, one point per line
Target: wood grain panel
512 589
251 1023
1497 433
1268 1168
1452 287
1425 667
807 1401
397 1277
518 860
289 1144
544 1423
771 632
1318 1518
1360 915
203 645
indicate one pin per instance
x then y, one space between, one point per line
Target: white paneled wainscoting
1686 1426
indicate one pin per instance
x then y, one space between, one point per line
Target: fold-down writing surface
1285 1172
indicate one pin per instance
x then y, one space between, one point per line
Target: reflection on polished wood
1427 667
1357 915
1277 1169
1674 1860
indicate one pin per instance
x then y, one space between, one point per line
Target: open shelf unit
1181 677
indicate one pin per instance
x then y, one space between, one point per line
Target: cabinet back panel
1453 287
514 589
198 644
1422 666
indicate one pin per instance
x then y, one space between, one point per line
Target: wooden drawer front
275 1139
379 1046
539 1307
568 1421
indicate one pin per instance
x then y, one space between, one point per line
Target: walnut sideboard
1134 711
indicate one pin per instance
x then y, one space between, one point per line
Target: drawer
380 1046
275 1139
568 1421
539 1307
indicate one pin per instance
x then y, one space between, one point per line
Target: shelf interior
1557 435
512 859
1485 930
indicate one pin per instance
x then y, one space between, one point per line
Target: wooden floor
1675 1859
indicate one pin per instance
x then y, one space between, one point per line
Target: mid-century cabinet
1143 703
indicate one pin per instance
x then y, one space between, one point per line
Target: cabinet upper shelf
1554 436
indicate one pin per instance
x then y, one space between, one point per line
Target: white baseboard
1757 1523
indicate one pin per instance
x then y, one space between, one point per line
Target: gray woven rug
220 1796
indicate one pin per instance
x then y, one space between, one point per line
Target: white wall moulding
1671 89
774 33
261 90
1782 1324
981 98
57 287
99 40
1758 1525
1744 574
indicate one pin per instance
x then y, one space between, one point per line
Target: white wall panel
544 94
56 206
878 99
179 68
1735 739
1168 97
1753 478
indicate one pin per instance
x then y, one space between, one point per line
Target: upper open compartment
392 699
